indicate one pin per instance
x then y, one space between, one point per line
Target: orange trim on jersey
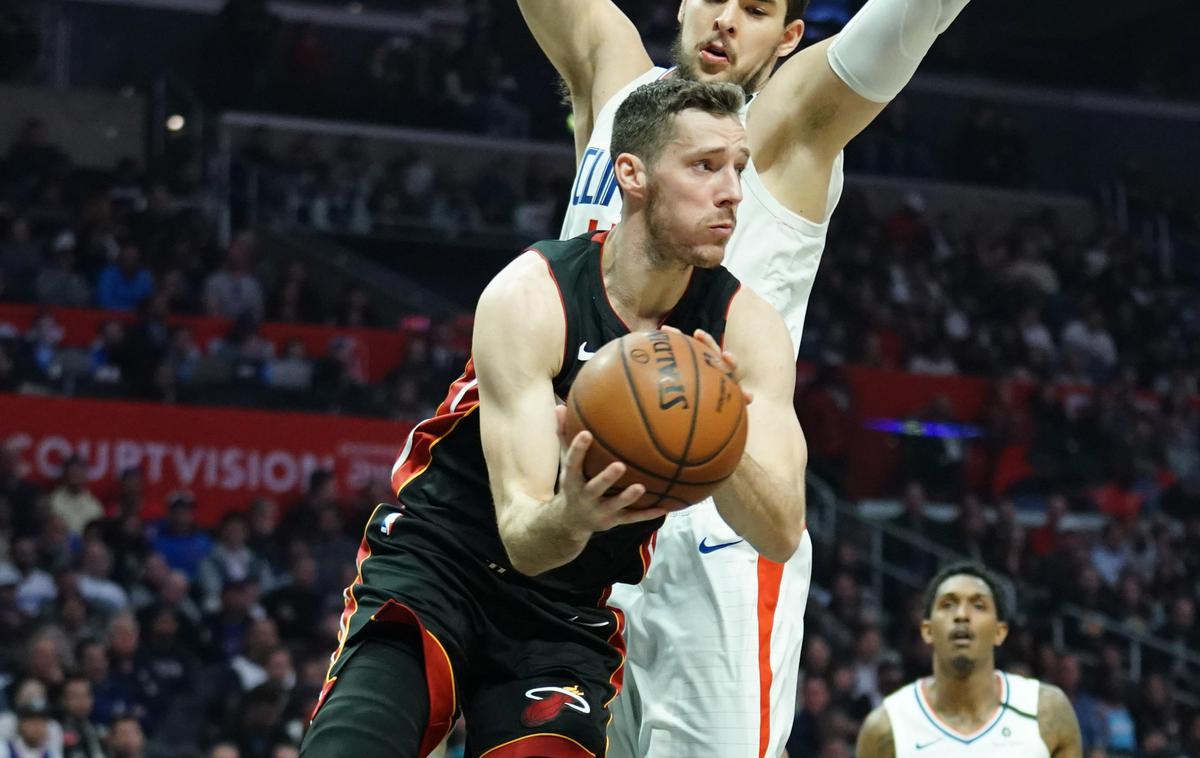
351 607
547 745
431 431
770 577
439 675
616 641
988 723
325 688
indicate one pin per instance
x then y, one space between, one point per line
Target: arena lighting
175 122
355 7
916 428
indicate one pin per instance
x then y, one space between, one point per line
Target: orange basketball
662 404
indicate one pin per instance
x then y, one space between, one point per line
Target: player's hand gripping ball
668 407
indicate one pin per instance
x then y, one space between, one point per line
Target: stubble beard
685 67
962 666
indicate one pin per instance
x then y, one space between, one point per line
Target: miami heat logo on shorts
548 702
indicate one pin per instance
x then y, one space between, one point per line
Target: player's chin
709 255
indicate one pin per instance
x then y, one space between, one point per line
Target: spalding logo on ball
668 408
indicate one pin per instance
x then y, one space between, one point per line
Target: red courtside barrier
381 349
224 456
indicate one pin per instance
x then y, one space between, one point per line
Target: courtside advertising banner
225 457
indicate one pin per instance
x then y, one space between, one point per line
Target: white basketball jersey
773 251
1012 731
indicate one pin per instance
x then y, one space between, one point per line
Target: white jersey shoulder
917 732
773 250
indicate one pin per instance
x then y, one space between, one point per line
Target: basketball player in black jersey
487 599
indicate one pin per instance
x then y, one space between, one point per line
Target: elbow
524 564
784 542
781 549
520 558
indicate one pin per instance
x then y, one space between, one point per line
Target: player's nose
726 20
729 191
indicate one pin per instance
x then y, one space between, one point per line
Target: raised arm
825 95
764 499
516 351
875 739
593 46
1057 723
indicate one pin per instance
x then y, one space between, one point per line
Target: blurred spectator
82 738
809 728
229 560
16 493
177 537
95 584
19 257
71 500
33 737
234 290
1112 553
125 284
61 285
295 300
296 606
126 739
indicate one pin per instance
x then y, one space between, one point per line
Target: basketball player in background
714 625
491 590
968 708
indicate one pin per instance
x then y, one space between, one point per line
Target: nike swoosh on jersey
919 746
583 353
575 620
706 548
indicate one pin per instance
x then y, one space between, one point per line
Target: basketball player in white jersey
968 708
715 630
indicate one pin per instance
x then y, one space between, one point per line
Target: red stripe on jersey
541 745
439 675
462 398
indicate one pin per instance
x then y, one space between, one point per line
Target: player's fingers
707 339
602 482
748 396
669 329
575 453
621 501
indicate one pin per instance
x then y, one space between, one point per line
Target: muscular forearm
879 50
537 536
763 509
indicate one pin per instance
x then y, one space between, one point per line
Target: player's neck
966 700
641 289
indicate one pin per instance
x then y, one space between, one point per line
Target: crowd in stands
862 638
126 635
131 244
122 620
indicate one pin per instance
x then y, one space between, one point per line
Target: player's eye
757 11
704 165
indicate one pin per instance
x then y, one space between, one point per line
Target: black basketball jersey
441 476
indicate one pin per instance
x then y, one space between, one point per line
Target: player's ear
682 5
792 34
1001 633
927 631
631 174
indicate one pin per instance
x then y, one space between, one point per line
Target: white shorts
713 645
